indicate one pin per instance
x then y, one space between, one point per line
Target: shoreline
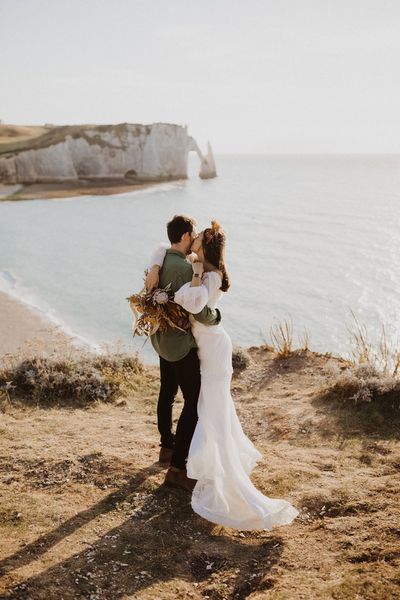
71 189
26 327
22 326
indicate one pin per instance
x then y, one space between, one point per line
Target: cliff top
19 138
83 512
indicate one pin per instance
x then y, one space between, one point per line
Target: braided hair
213 244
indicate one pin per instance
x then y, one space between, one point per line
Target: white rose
160 297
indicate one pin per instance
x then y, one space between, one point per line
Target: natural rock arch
208 168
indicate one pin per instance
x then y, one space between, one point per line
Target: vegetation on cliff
44 137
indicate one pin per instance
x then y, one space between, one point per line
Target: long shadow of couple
160 541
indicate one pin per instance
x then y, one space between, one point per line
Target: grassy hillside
14 139
14 134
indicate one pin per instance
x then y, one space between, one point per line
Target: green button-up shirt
173 344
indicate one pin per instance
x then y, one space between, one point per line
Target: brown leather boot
177 478
165 456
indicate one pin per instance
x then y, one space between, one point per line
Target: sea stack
208 169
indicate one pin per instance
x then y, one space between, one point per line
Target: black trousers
184 373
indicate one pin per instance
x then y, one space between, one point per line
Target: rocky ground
83 514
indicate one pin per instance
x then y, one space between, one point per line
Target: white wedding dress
221 457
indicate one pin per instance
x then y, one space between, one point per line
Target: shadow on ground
160 541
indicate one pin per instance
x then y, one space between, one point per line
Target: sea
311 240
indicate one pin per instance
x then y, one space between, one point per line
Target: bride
221 457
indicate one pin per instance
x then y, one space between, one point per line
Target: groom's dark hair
179 225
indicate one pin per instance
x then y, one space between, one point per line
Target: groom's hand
192 257
152 278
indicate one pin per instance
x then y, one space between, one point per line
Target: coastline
21 326
70 189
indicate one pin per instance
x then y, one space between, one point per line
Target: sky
252 76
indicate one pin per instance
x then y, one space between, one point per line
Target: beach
70 189
20 326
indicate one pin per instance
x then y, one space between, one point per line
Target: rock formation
207 168
157 152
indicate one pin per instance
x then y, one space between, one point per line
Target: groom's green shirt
173 344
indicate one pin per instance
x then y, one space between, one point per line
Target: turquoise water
309 237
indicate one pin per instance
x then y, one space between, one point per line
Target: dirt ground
83 514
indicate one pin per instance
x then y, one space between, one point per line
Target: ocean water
310 238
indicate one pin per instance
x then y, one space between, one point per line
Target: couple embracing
209 455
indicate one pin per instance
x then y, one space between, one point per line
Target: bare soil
84 515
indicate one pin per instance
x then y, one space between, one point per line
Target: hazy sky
253 76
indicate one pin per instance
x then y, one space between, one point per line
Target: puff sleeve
194 299
158 255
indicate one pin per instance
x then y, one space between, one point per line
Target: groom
179 363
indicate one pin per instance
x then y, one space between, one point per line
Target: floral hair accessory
214 234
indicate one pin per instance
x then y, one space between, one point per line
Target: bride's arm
193 296
198 269
155 264
192 299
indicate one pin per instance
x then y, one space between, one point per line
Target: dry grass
240 359
73 377
282 335
363 384
16 133
84 515
304 340
371 375
57 134
382 356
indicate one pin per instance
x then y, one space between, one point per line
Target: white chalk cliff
157 152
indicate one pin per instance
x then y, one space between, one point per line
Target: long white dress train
221 457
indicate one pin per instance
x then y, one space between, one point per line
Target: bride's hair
214 251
